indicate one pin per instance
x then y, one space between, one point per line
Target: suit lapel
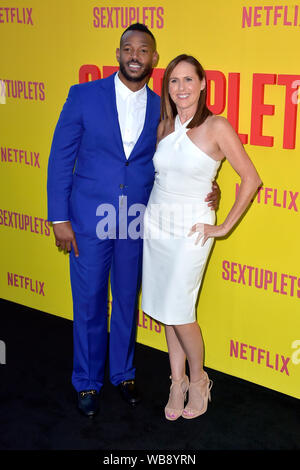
113 112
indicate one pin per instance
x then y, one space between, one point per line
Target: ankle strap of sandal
180 380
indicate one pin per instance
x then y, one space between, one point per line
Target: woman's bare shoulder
165 127
219 123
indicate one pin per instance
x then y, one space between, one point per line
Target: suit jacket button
127 163
121 186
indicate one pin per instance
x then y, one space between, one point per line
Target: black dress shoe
88 402
129 392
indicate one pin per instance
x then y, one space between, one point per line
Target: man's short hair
139 27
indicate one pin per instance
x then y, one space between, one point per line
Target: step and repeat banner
249 304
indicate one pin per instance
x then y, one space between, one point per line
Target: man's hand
213 198
206 231
65 237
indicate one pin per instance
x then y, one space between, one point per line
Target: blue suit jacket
87 164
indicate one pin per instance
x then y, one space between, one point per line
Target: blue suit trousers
121 259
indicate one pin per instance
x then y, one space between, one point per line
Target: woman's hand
206 231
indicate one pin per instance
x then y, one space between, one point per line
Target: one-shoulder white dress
173 265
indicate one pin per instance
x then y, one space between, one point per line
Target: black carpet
38 404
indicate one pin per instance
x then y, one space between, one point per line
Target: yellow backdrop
250 300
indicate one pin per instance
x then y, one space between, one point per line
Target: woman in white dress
179 226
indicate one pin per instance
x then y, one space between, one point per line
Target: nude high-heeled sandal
177 396
199 394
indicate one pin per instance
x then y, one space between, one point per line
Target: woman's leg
177 356
180 381
190 338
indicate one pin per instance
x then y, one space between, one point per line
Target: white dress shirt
131 107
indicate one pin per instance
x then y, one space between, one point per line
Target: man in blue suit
101 154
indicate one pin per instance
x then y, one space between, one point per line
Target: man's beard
140 78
